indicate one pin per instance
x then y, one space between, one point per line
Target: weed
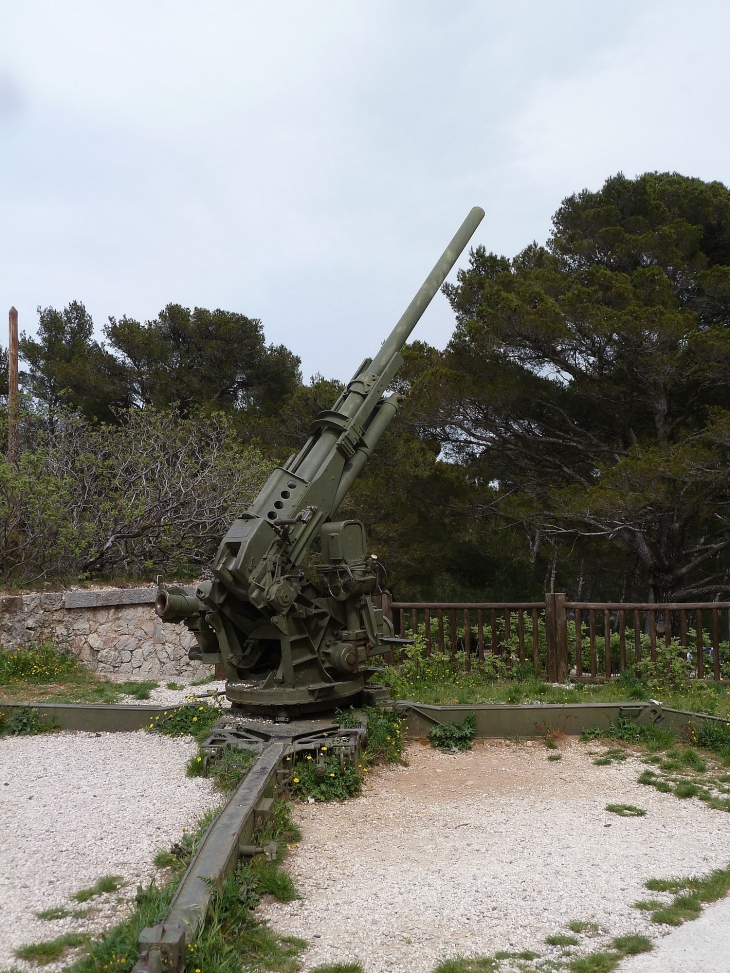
326 780
650 778
561 940
525 954
137 689
452 738
632 945
189 720
42 663
686 789
339 968
626 810
610 756
26 722
689 895
175 685
49 950
227 769
607 960
106 884
385 737
271 880
205 680
555 756
583 925
467 964
61 912
648 905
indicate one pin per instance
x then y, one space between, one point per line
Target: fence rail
595 639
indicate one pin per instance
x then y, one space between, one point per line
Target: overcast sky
306 161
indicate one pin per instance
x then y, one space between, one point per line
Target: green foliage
152 492
26 722
385 736
582 378
189 720
583 926
139 689
50 950
227 769
626 810
61 912
325 780
467 964
607 960
106 884
453 737
41 663
690 894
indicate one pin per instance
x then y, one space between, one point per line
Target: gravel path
490 850
76 806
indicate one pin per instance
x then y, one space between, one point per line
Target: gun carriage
292 647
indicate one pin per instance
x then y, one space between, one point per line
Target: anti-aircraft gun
291 647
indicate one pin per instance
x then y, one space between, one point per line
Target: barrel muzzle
173 605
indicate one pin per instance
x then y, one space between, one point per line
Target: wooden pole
13 446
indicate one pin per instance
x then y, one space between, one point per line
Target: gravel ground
176 697
76 806
494 849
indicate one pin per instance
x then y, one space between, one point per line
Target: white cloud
307 162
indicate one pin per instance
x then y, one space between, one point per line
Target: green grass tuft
467 964
106 884
138 689
555 756
61 912
339 968
583 925
192 720
632 945
561 940
626 810
49 950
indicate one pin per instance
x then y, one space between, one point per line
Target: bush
155 492
452 738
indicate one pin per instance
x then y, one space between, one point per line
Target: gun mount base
291 702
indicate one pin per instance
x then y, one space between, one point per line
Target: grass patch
38 664
452 737
385 736
613 755
561 940
339 968
139 689
467 964
626 810
583 926
555 756
105 885
205 680
191 720
527 954
61 912
648 905
686 789
49 950
690 894
175 685
606 960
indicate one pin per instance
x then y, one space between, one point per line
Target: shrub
325 780
453 738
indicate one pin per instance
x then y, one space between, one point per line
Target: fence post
556 631
13 449
384 601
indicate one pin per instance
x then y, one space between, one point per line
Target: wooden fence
555 636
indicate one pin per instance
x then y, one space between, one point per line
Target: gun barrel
411 316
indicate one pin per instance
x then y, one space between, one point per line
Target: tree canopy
588 380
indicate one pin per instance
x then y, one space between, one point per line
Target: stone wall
112 631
